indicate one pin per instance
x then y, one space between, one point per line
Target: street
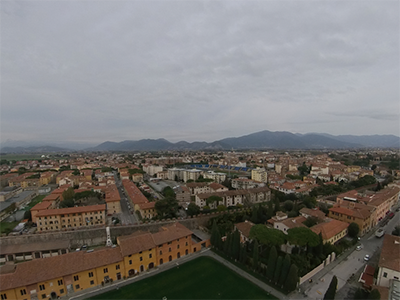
126 217
349 263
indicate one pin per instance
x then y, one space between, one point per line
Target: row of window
105 271
73 215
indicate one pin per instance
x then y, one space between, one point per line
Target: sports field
201 278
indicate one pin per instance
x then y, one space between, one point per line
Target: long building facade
52 277
235 197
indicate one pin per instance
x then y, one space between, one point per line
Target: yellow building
49 278
349 212
113 200
72 217
146 210
56 276
46 177
331 231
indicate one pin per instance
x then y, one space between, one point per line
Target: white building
259 174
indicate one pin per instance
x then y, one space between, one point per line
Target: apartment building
152 169
113 200
72 217
215 176
235 197
350 211
259 174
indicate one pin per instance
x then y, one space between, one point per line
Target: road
350 262
126 216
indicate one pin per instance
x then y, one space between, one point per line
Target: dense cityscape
265 210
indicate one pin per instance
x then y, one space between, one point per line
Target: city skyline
88 72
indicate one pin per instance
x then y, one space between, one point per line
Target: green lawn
6 227
34 201
201 278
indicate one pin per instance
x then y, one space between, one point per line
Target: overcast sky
91 71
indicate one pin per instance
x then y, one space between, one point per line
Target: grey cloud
192 64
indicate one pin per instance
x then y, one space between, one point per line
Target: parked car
359 247
380 232
366 257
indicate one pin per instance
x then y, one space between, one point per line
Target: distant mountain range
259 140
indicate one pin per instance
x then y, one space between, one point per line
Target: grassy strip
34 201
6 227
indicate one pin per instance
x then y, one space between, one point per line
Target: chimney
352 204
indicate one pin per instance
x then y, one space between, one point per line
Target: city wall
98 236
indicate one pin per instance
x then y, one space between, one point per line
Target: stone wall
98 236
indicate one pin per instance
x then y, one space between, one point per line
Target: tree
214 233
292 279
360 294
236 245
278 269
396 231
167 207
227 183
271 263
302 236
353 230
285 269
213 199
67 203
193 209
303 169
267 236
28 215
374 295
221 208
168 192
311 221
288 205
255 254
254 215
331 291
76 172
68 194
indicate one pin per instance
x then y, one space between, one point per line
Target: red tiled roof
329 229
171 233
40 270
244 228
390 254
71 210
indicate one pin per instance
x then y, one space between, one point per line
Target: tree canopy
353 230
167 207
213 199
193 209
331 291
267 236
302 236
